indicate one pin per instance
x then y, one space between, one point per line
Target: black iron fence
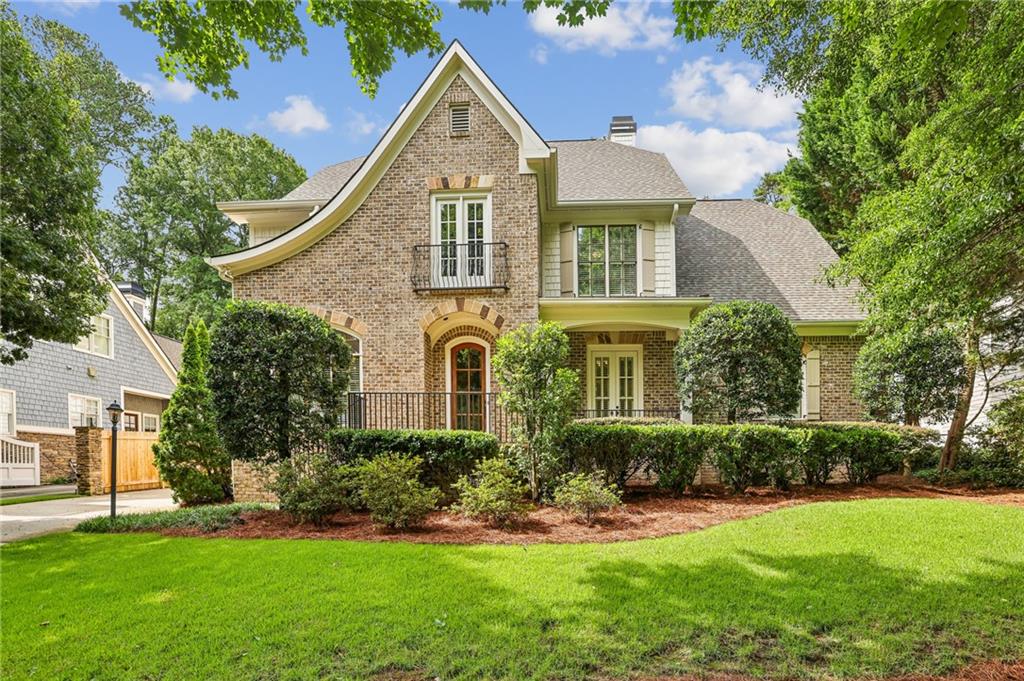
437 411
472 265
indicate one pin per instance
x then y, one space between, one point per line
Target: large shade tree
48 183
166 220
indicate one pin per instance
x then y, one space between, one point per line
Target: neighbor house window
131 422
606 260
100 341
459 118
150 423
7 423
83 410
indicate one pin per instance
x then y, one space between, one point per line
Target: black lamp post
114 412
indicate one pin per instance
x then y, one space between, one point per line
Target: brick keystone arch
339 319
444 315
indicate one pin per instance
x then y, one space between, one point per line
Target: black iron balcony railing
460 266
445 410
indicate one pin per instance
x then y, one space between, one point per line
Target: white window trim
601 349
99 402
460 198
360 354
142 423
448 388
13 425
576 259
89 350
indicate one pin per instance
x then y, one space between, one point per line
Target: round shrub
390 488
755 455
493 493
313 488
585 495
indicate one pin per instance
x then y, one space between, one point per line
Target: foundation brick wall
56 452
251 482
362 268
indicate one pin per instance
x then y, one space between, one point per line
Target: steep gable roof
746 250
326 182
456 61
600 170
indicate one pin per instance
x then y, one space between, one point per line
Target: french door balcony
451 265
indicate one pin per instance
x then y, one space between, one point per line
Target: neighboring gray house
60 386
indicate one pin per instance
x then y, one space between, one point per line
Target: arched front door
469 386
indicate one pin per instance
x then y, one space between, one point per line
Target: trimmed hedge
745 455
446 454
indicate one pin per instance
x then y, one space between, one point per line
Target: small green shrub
585 495
205 518
313 488
628 421
493 493
446 454
390 488
755 455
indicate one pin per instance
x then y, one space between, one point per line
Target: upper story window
458 119
101 340
7 421
606 260
460 241
83 410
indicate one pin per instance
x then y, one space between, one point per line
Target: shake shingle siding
53 370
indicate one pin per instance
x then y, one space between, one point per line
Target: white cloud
726 93
360 125
629 26
176 90
661 59
300 115
72 6
540 54
714 162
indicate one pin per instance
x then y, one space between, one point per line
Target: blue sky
700 106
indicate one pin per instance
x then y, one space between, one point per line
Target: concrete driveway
19 521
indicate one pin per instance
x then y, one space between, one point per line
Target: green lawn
843 589
36 497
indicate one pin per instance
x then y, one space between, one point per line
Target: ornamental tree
279 376
906 378
189 452
741 359
540 391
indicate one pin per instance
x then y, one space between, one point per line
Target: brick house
463 222
61 386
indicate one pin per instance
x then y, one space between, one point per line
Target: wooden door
469 386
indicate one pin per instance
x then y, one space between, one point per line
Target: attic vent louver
459 118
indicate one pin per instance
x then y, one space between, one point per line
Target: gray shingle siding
53 370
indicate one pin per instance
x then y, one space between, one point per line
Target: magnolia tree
906 378
279 376
189 452
538 388
741 359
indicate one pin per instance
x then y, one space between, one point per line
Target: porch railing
472 265
435 411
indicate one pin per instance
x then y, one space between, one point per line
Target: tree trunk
955 436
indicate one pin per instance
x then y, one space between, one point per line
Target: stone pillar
89 458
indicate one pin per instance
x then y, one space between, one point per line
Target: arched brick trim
436 361
339 319
469 313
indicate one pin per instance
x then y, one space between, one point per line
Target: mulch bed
984 671
645 514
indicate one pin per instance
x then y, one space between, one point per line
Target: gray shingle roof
326 182
746 250
171 348
602 170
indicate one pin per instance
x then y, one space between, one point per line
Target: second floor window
100 341
606 260
460 233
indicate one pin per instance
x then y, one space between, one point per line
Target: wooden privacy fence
136 466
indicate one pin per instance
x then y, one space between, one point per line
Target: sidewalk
38 490
42 517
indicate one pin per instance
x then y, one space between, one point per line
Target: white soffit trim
455 61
